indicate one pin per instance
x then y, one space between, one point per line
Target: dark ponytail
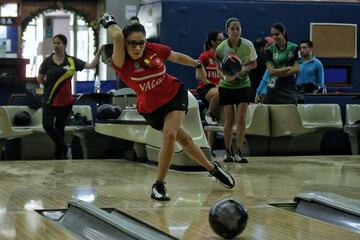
212 36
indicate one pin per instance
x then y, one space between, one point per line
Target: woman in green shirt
282 63
235 90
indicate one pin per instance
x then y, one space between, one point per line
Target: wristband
199 64
106 20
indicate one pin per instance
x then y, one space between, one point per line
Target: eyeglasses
134 43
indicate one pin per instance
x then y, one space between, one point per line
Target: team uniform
57 98
158 93
282 90
238 90
57 87
211 68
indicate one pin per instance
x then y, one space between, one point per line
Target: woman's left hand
231 77
101 48
201 73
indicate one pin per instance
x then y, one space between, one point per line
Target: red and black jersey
211 68
148 78
57 86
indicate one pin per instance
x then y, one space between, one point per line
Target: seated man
310 78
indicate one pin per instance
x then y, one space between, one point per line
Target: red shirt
148 78
64 96
57 86
211 67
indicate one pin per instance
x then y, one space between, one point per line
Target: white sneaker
210 120
228 157
69 153
240 158
159 192
225 178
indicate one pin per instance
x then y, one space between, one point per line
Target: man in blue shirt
310 78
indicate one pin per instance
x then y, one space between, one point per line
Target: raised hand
106 20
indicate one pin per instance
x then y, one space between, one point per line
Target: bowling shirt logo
275 56
290 55
153 61
67 67
150 84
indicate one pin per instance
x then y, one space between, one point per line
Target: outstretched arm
96 59
186 60
116 34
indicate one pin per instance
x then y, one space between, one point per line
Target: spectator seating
35 143
257 129
7 131
320 115
288 129
299 130
352 126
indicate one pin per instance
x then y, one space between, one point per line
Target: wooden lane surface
28 185
264 223
29 225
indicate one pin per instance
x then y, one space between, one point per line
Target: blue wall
88 86
185 25
12 34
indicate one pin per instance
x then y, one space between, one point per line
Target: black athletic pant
54 120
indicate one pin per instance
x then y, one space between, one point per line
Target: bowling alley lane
26 186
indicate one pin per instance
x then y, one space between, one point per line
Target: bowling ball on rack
117 111
107 111
228 218
22 118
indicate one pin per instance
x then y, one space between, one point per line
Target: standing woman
161 99
55 74
235 89
282 63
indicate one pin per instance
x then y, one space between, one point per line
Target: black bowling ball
22 118
108 111
104 111
228 218
117 111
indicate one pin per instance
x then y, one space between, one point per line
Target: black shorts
180 102
229 96
203 91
